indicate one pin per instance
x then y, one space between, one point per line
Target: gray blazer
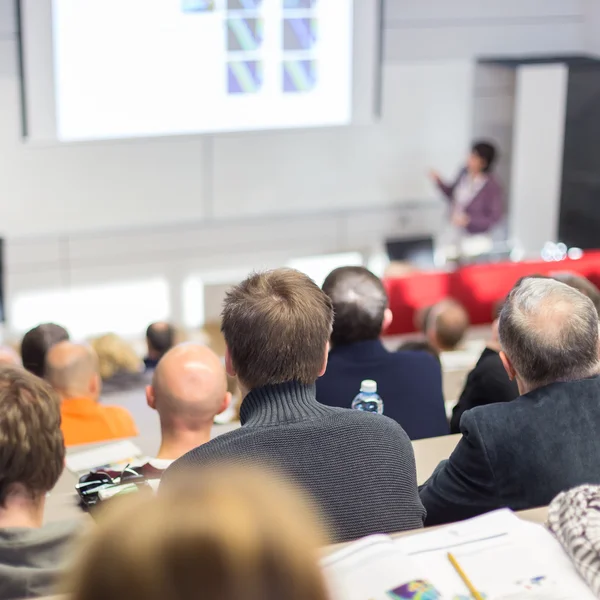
520 454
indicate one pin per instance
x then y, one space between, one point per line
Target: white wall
152 204
592 26
538 154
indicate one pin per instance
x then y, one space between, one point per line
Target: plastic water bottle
368 399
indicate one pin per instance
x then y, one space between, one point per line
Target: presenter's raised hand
435 176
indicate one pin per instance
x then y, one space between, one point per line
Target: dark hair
450 321
160 337
486 152
36 343
359 302
581 284
276 326
32 450
419 346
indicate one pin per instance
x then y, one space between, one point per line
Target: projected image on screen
299 3
299 75
299 34
244 34
167 67
197 5
244 76
243 4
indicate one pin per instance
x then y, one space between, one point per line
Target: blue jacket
519 454
410 384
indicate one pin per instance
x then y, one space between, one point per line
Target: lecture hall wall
170 208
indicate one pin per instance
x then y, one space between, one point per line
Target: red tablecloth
477 287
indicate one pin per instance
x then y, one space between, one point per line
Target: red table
477 287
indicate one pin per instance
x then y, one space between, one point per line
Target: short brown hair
230 533
276 325
32 450
450 321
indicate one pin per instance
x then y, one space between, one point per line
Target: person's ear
388 317
512 374
150 398
229 364
325 359
95 386
226 403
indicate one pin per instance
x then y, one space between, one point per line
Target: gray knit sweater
359 467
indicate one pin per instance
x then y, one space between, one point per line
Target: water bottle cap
368 386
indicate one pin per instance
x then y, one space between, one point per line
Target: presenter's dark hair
486 152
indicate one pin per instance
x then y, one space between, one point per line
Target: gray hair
549 332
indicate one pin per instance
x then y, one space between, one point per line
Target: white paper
103 456
505 558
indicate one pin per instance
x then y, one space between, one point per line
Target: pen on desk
464 577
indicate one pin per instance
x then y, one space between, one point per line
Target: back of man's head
549 333
72 370
581 284
189 388
447 324
32 450
277 326
36 343
359 303
160 337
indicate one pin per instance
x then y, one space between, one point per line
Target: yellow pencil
464 577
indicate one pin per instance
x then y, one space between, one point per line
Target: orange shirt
85 421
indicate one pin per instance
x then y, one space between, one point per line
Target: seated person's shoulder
123 419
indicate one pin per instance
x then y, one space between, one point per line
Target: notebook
504 557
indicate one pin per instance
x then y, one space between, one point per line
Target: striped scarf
574 518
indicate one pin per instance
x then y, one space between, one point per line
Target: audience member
419 346
160 337
230 535
410 383
487 383
521 454
120 368
32 455
359 467
36 343
9 356
188 389
583 285
72 369
446 324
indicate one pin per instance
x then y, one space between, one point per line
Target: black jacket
519 454
487 383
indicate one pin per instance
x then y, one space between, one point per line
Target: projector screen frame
38 90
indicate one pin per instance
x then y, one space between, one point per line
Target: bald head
447 324
189 387
8 356
72 370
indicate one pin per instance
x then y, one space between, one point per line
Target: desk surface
429 453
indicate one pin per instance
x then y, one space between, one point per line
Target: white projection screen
110 69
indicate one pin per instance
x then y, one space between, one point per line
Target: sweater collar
281 403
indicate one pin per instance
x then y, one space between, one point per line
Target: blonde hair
220 534
115 355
